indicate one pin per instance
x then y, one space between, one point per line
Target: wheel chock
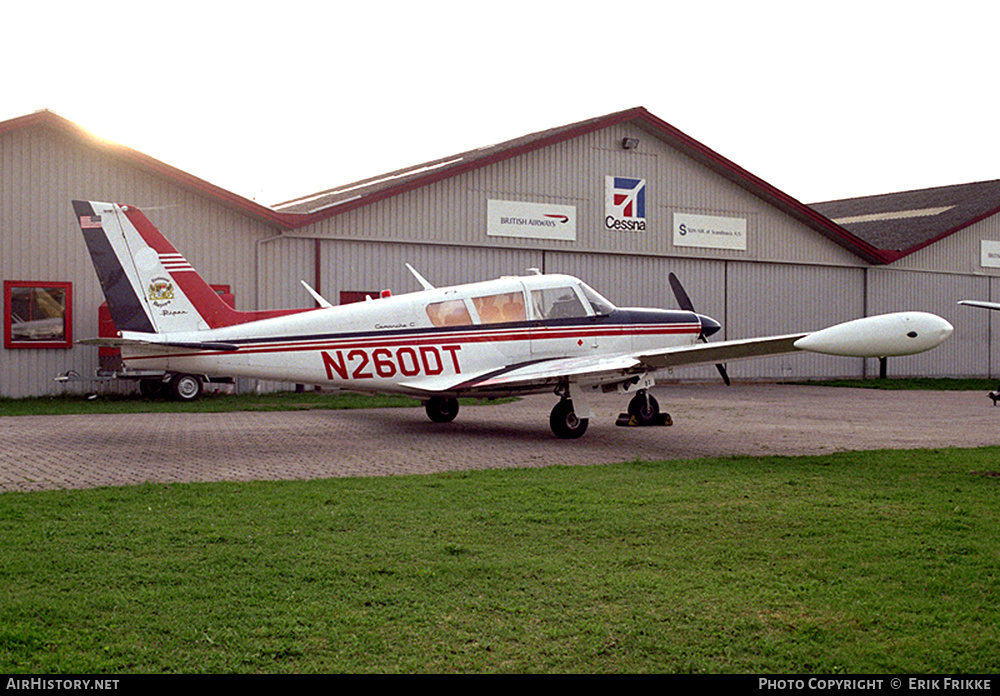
627 421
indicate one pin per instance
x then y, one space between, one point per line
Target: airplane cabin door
560 323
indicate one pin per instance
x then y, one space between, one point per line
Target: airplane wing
724 351
607 369
980 303
901 333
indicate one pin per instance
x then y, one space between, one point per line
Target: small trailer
153 384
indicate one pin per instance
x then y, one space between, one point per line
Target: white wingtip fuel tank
885 335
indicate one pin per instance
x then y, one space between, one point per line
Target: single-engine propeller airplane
518 335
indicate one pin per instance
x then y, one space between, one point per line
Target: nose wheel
643 410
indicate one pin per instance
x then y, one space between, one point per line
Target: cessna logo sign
625 204
531 220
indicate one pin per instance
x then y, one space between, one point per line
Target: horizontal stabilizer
108 342
205 345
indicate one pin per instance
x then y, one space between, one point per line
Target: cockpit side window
496 309
557 303
449 313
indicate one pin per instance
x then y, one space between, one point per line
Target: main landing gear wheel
565 423
644 408
441 409
185 387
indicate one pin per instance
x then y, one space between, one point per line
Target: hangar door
775 299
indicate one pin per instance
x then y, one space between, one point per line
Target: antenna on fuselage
320 300
420 278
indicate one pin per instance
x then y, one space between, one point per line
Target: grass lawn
911 383
874 562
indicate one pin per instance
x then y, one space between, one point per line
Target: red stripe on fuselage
438 338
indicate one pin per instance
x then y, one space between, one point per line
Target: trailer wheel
185 387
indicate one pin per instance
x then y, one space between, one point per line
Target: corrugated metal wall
967 352
453 211
774 299
935 279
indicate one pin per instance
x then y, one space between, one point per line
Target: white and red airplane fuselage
513 335
438 339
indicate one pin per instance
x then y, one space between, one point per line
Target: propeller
684 302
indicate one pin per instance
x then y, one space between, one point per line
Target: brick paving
82 451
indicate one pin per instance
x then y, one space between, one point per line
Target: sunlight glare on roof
897 215
370 182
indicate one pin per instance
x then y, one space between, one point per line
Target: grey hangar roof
910 220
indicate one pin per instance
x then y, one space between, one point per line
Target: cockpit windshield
601 306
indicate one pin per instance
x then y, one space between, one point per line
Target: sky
823 100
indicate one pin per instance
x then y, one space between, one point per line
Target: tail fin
149 286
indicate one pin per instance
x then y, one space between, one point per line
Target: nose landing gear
644 410
571 416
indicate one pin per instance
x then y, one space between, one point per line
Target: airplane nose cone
709 325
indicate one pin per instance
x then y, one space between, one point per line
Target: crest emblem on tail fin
161 290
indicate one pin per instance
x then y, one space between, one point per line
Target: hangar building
620 201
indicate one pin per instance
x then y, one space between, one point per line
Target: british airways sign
625 204
531 220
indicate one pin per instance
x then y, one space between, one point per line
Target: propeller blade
683 301
722 371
